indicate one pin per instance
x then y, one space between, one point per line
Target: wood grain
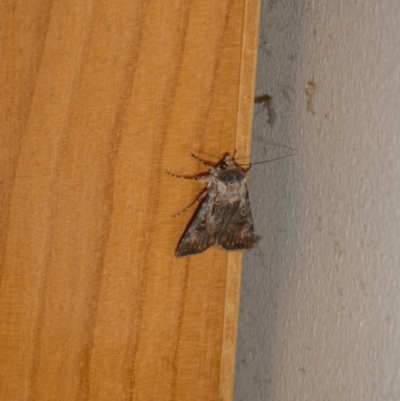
98 99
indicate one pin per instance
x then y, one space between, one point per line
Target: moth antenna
205 162
197 200
267 161
234 154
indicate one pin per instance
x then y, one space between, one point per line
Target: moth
224 215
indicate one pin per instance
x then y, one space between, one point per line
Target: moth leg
195 178
199 199
205 162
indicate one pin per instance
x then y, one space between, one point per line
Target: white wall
321 295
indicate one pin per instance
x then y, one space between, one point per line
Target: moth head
228 162
228 171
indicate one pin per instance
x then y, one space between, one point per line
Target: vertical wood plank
99 99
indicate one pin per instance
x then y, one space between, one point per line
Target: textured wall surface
320 302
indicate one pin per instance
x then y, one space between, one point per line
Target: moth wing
235 226
201 233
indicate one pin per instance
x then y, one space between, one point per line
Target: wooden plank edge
248 68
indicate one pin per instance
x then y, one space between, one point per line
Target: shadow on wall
267 267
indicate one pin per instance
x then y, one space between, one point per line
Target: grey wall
320 301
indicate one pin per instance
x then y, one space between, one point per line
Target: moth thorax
228 176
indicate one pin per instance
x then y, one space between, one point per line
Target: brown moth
224 216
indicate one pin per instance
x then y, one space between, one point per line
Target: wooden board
98 99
